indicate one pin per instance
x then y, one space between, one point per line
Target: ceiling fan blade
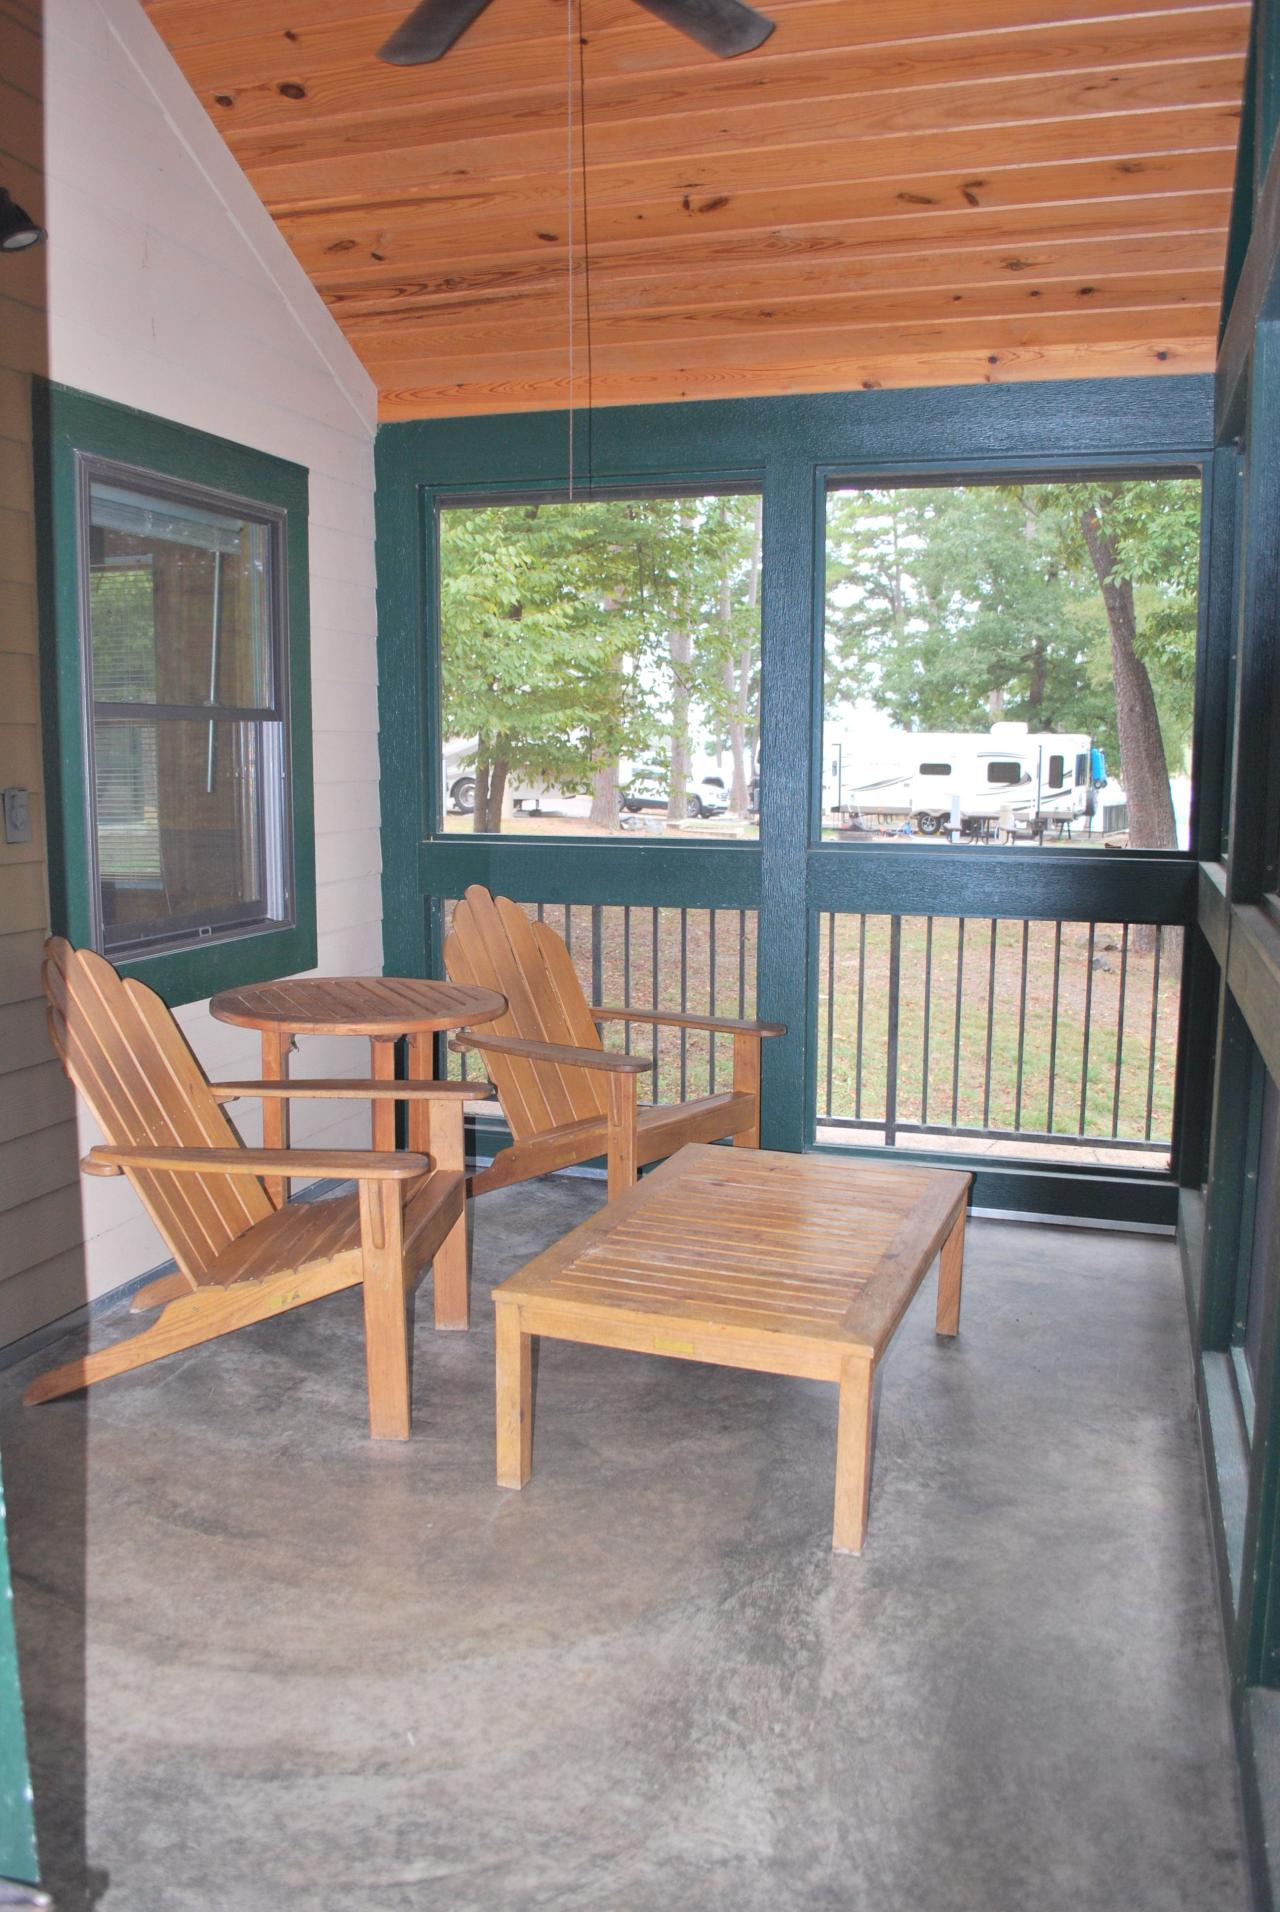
429 31
725 26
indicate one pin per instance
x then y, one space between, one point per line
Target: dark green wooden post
787 653
17 1824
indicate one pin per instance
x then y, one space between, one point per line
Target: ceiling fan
726 27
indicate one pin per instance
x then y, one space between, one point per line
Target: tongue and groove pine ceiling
887 193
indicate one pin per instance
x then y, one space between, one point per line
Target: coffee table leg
275 1109
853 1454
515 1398
950 1270
436 1129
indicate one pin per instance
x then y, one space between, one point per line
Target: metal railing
700 962
998 1030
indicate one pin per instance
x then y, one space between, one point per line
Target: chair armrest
555 1052
340 1089
674 1020
345 1165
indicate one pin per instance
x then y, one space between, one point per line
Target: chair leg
746 1081
386 1331
853 1454
950 1272
515 1397
436 1129
623 1135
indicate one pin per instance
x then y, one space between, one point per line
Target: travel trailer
1009 776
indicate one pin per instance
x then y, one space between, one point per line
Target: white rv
1009 776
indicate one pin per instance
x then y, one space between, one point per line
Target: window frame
78 436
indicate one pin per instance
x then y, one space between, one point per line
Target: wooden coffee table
791 1264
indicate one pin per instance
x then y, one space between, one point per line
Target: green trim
67 422
790 448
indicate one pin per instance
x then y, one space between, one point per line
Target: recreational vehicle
1009 776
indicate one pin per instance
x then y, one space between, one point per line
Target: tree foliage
949 607
577 635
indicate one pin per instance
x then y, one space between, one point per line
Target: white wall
169 289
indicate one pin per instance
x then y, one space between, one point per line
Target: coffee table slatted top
755 1240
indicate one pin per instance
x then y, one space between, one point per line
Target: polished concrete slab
271 1665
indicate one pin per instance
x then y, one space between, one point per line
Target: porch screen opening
1011 663
600 667
187 745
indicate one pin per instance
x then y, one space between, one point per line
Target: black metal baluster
928 1009
597 952
1022 1028
742 965
657 1005
684 1002
1088 1015
991 1012
862 994
626 973
1053 1023
1124 978
831 1009
955 1058
891 1056
711 990
1155 1029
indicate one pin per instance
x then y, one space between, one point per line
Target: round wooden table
382 1008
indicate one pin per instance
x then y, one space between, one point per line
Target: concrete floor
322 1674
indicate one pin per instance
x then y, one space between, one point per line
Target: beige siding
170 290
41 1259
166 287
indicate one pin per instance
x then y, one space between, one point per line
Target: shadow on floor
321 1673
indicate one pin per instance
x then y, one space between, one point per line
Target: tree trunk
680 644
735 694
491 785
738 684
1143 770
604 796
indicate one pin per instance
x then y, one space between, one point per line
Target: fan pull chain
586 250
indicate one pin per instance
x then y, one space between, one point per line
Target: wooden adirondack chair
240 1259
566 1098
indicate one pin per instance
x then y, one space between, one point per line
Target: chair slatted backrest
493 943
130 1061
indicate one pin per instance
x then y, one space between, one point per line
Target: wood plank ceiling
918 193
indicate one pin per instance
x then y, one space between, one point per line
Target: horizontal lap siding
170 290
39 1196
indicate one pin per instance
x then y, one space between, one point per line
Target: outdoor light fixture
18 229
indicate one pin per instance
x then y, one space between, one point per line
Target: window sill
191 975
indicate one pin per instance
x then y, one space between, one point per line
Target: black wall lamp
18 229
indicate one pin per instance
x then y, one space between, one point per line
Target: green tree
1065 606
573 635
